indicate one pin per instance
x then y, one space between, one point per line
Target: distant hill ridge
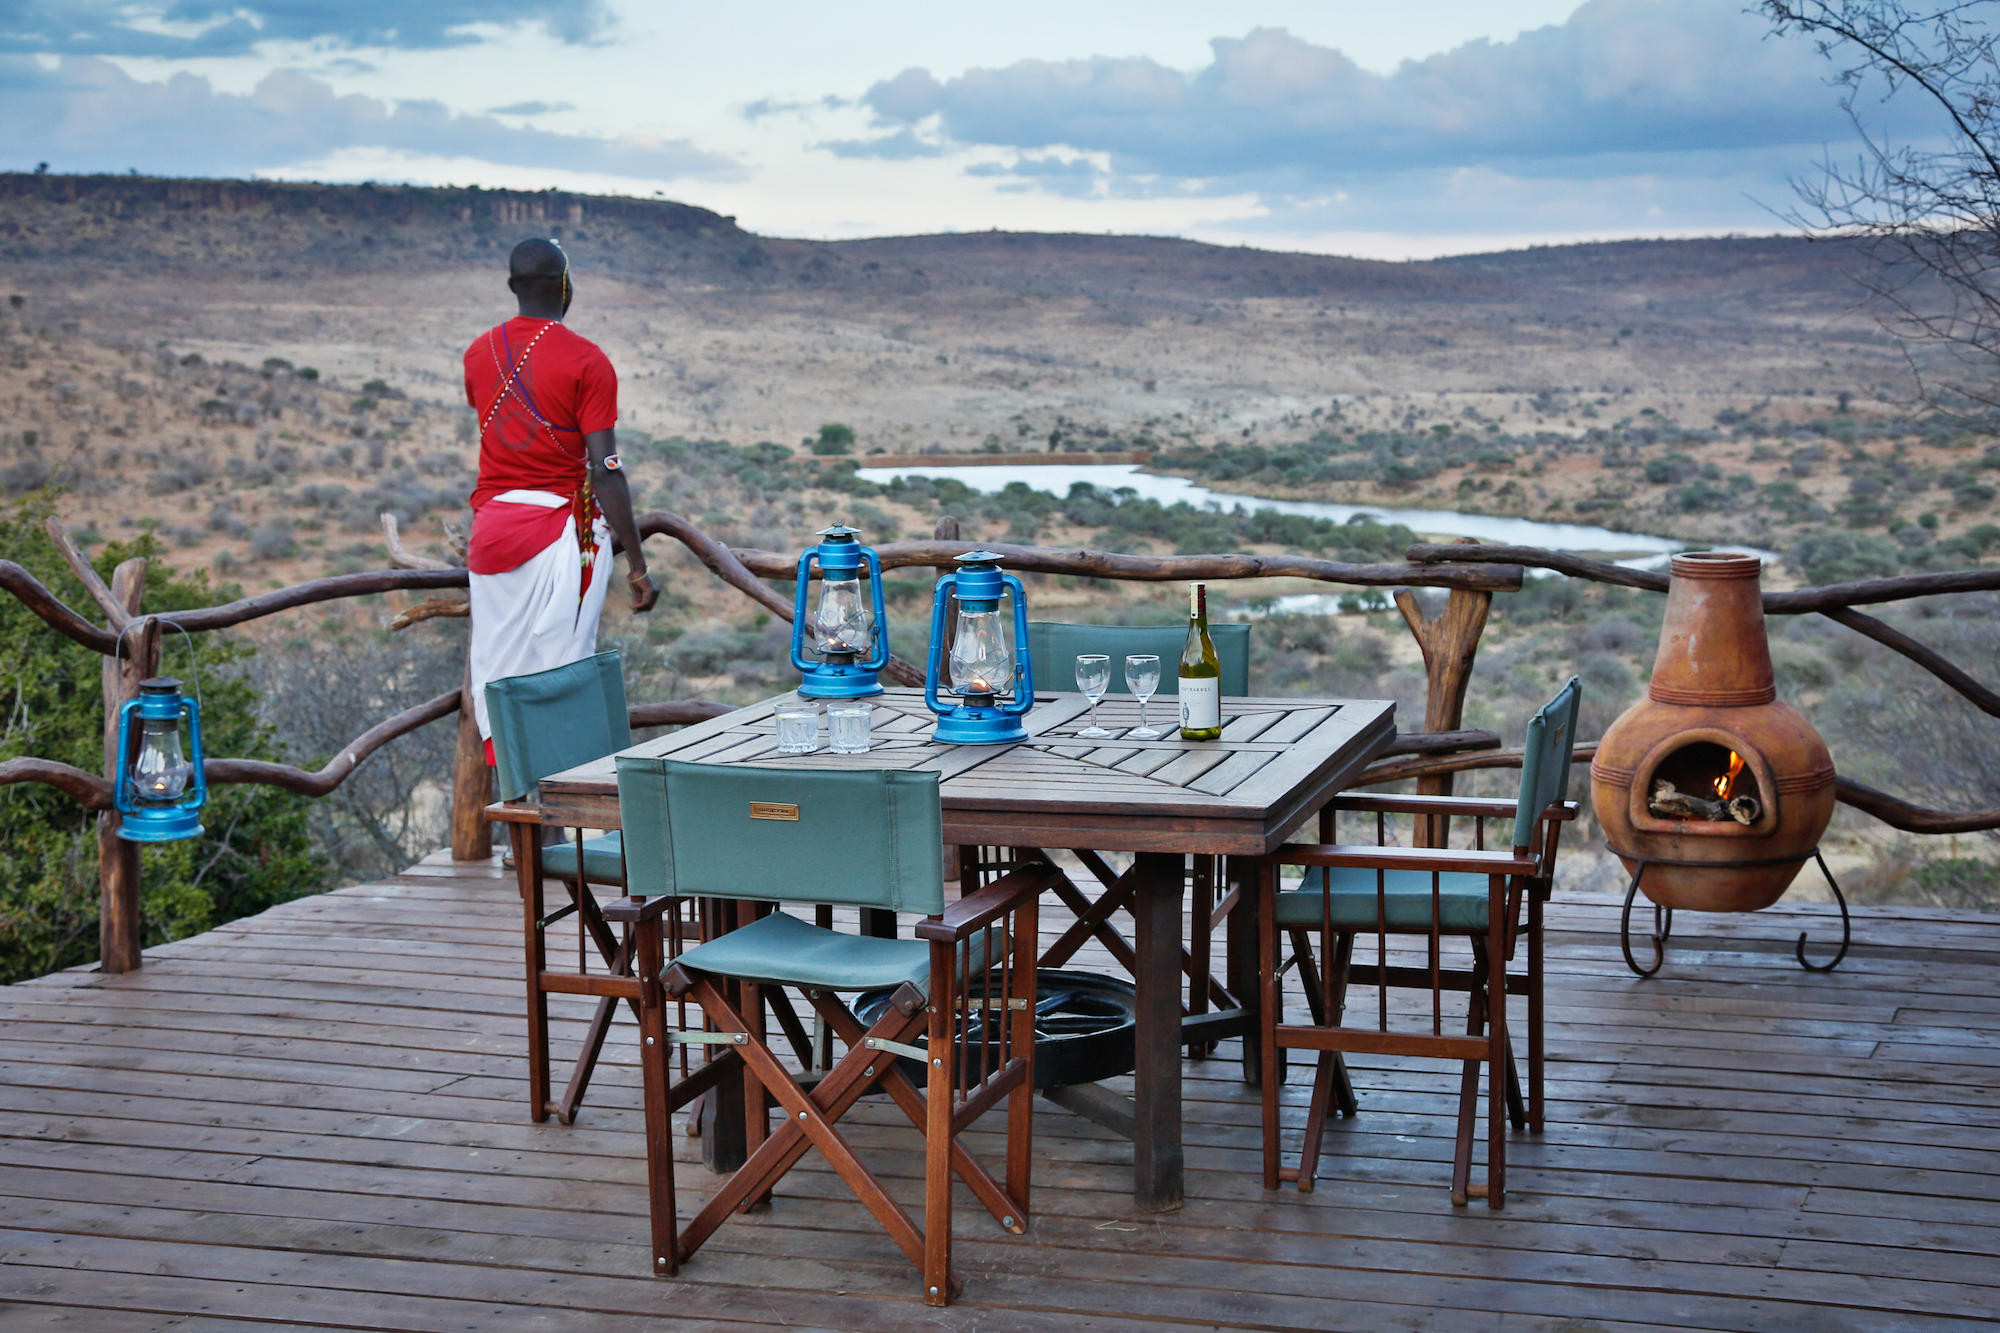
267 227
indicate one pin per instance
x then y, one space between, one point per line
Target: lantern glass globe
161 771
844 622
982 652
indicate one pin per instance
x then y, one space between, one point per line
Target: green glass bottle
1200 674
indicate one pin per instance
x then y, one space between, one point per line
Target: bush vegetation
257 849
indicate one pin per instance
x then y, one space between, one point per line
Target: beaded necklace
511 383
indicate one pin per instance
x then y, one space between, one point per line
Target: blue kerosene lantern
989 656
160 788
850 629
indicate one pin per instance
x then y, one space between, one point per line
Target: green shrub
1843 557
257 850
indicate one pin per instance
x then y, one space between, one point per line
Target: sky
1388 130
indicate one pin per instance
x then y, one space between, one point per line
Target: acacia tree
1928 204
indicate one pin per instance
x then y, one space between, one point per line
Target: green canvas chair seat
786 951
1462 901
1055 646
603 860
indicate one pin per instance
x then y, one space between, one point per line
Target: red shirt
538 390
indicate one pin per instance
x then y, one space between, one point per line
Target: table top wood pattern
1277 760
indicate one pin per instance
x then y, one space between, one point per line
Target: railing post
1449 641
120 928
471 784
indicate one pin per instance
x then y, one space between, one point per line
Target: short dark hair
537 266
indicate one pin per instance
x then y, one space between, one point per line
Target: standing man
551 491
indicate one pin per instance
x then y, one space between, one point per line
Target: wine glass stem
1142 711
1093 713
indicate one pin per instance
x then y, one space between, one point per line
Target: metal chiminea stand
1663 917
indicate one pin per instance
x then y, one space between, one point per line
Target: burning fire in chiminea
1668 801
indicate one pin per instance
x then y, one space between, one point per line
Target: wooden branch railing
90 790
1449 639
1835 601
1483 577
321 781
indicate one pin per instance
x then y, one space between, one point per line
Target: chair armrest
1448 860
1390 803
1443 742
987 905
638 909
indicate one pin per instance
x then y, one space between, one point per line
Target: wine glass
1142 677
1093 677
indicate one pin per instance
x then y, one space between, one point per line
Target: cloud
1071 177
530 108
1644 79
901 146
778 106
88 115
185 28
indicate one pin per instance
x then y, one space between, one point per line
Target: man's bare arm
614 497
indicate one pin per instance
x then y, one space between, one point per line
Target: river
1637 550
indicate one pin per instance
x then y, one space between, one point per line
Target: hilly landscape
248 374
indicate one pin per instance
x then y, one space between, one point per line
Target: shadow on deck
316 1118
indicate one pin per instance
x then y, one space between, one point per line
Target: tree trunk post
471 784
1448 641
120 928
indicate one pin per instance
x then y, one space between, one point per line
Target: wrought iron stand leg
1660 930
1846 924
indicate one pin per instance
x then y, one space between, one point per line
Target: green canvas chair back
863 837
1055 647
552 720
1545 759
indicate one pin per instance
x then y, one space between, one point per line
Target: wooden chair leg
1008 1206
1270 1012
1343 1086
939 1286
1499 1061
1537 1052
809 1120
1322 1093
1201 926
1468 1088
528 866
657 1074
1241 963
1517 1106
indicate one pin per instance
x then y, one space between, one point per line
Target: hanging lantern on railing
987 658
161 787
850 630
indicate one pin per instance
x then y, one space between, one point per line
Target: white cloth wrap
531 618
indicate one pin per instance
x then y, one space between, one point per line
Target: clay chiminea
1721 791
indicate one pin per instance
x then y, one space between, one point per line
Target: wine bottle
1200 674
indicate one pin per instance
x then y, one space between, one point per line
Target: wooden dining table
1163 800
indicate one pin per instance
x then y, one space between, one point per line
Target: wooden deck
315 1118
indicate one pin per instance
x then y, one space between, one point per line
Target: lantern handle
194 658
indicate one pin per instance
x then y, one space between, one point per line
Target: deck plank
315 1117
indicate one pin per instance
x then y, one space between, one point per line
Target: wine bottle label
1201 703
